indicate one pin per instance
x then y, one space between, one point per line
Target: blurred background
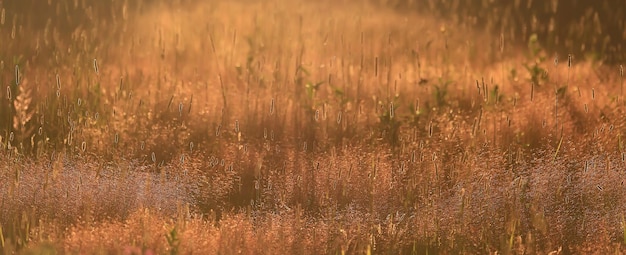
592 30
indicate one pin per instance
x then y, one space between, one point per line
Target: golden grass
298 127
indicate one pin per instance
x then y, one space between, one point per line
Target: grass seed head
556 60
569 60
17 75
95 66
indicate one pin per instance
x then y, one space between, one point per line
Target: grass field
301 127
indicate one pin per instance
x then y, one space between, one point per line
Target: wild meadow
303 127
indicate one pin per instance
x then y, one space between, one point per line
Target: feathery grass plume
23 112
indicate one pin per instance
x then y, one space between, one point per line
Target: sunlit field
303 127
